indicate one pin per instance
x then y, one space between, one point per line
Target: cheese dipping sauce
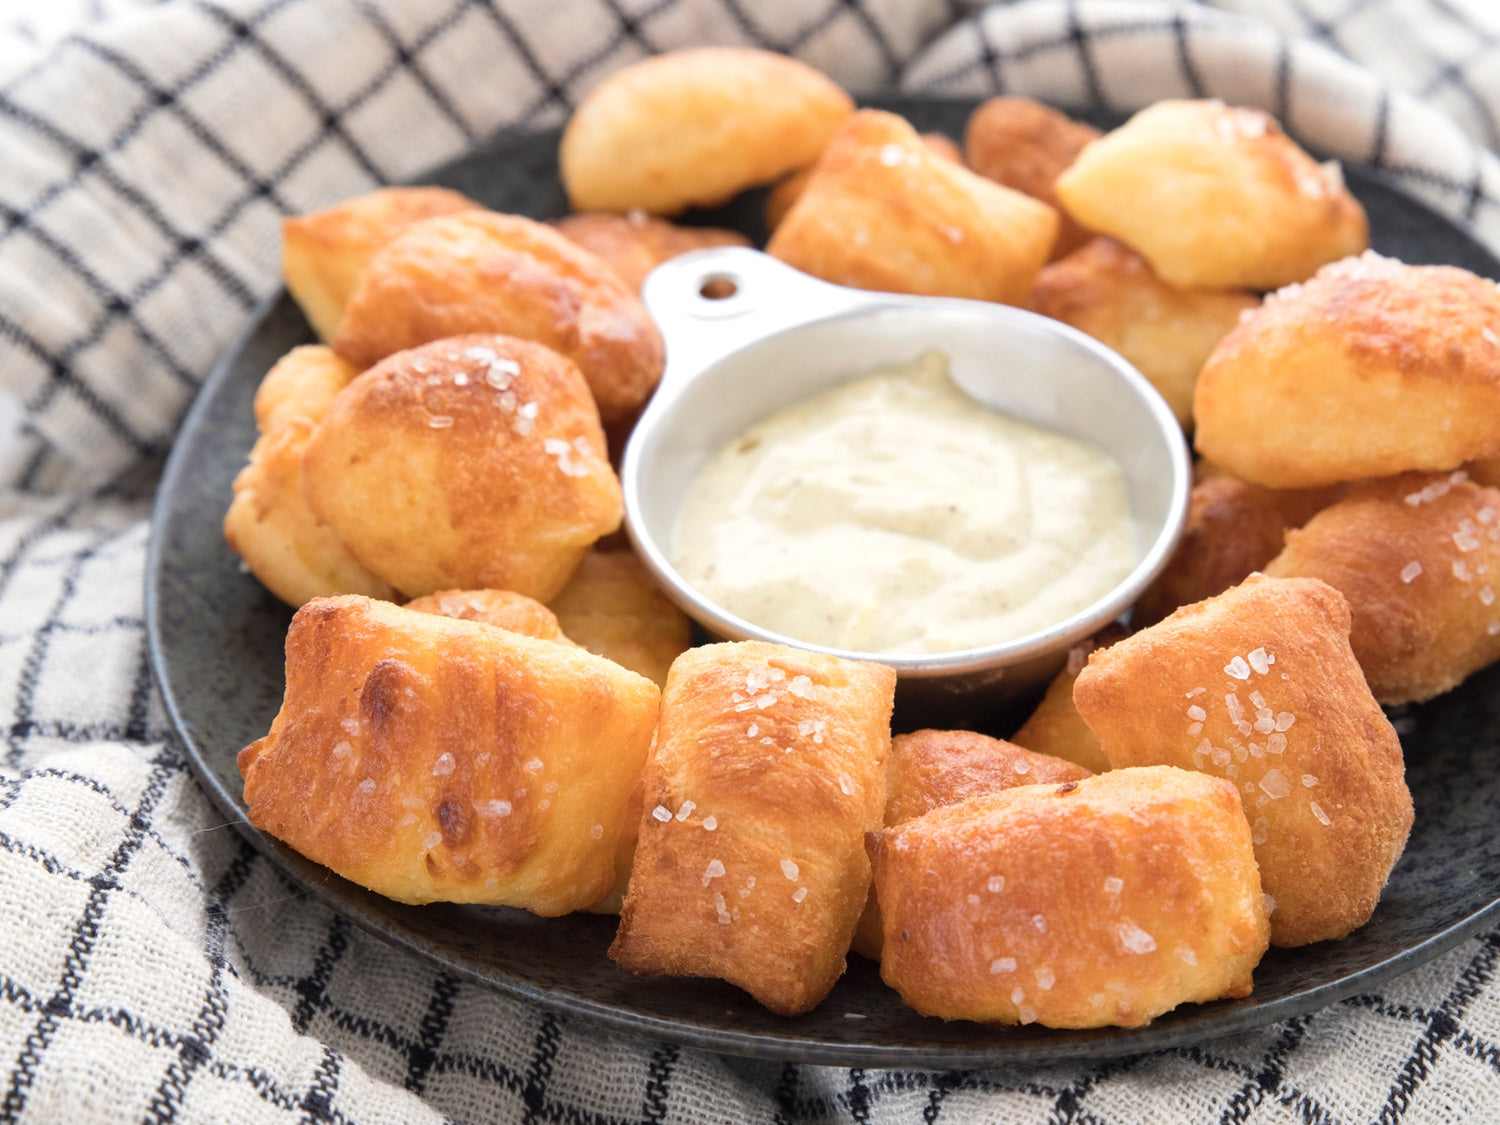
895 514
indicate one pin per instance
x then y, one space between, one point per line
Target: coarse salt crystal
597 831
1022 767
662 813
1487 595
1197 691
1410 571
789 868
1317 811
1275 785
1114 885
1040 923
1260 661
710 823
1196 713
1284 720
444 765
1237 668
714 869
800 686
440 421
995 884
892 155
1461 571
1003 965
1133 939
686 810
494 808
1276 744
799 894
432 840
1017 994
367 786
1309 780
1045 979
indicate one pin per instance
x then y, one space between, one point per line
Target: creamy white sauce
895 514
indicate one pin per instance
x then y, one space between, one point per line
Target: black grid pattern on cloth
156 967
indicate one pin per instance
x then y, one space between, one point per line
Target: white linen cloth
152 965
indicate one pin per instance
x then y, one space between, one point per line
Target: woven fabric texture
153 966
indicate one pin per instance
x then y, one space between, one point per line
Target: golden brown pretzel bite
1108 900
694 128
269 523
881 211
1026 145
485 272
1259 686
324 252
473 462
928 769
432 759
1371 368
780 198
1214 197
614 608
1108 291
768 769
635 244
1233 529
1417 557
1056 728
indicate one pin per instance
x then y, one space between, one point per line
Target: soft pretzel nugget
1371 368
613 608
485 272
1214 197
928 769
768 770
1055 728
1104 901
474 462
269 524
324 252
1026 145
1259 686
503 609
432 759
882 211
694 128
780 198
1417 557
636 243
1108 291
1234 528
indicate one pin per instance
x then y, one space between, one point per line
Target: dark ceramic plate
216 638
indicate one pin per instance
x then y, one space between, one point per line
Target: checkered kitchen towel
152 965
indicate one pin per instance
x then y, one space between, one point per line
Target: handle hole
718 287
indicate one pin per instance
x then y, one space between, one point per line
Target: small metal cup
780 336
